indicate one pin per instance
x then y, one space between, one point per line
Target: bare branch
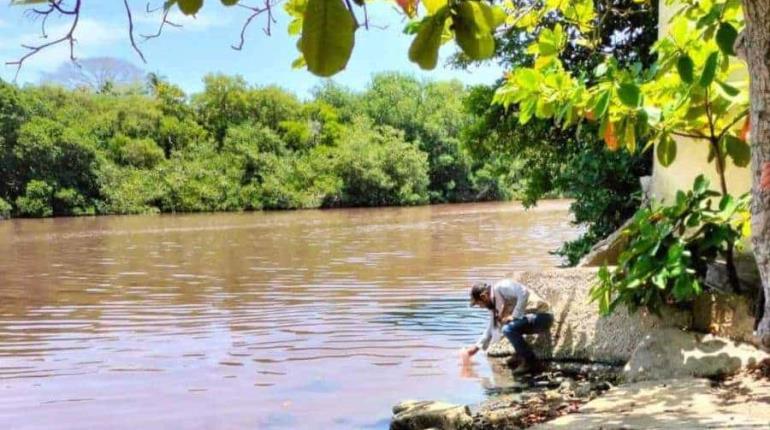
131 31
68 37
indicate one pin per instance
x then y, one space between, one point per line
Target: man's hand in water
470 351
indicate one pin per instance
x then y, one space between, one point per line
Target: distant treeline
233 146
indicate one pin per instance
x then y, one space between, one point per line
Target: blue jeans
528 324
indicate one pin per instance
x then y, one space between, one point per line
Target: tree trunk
756 46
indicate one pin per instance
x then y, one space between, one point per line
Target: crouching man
515 311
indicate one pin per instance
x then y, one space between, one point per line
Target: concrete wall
691 157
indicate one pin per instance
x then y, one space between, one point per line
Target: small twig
255 12
691 136
164 21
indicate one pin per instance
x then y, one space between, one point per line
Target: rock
674 353
726 315
583 390
607 250
423 415
578 332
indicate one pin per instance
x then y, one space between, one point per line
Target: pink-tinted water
293 320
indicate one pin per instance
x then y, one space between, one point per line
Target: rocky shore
621 371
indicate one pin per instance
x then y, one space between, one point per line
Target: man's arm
486 337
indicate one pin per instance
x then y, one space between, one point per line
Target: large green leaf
424 48
709 70
726 36
685 66
327 36
738 150
472 31
630 95
666 150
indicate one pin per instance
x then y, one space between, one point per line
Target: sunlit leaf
666 150
725 37
709 70
738 150
433 6
472 31
327 36
424 48
601 104
685 66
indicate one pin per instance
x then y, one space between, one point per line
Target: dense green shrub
670 248
378 168
5 209
37 201
239 147
140 153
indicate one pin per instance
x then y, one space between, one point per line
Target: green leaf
728 89
526 110
327 36
472 31
550 42
666 150
26 2
738 150
424 48
725 37
685 66
230 2
543 108
527 78
189 7
630 95
700 185
709 70
629 136
601 104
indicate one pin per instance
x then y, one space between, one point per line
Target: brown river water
284 320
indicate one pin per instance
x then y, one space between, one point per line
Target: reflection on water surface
289 320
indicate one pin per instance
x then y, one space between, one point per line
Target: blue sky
203 46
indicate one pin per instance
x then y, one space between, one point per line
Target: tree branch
68 37
131 31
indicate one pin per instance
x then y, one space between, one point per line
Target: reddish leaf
590 115
408 6
610 138
745 130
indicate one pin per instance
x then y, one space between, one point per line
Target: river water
286 320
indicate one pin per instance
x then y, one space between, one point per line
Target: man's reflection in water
501 374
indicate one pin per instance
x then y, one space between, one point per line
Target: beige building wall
692 155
